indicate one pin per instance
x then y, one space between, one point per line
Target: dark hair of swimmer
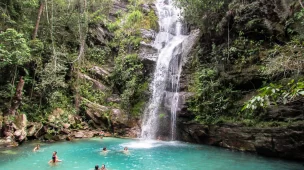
54 158
96 167
104 149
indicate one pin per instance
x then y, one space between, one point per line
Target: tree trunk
17 98
38 19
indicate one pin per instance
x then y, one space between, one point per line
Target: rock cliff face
256 19
285 142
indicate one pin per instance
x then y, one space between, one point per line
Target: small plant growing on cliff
273 94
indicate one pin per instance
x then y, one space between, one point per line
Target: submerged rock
9 152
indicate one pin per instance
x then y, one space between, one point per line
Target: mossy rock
48 136
9 152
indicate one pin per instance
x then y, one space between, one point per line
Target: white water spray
168 68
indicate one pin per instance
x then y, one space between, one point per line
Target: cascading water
168 42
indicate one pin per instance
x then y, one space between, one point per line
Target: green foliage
140 98
17 14
224 56
152 20
161 115
284 60
113 26
87 91
13 48
206 11
211 98
127 29
126 77
133 18
58 99
49 61
138 108
243 50
53 76
98 55
36 47
273 94
294 25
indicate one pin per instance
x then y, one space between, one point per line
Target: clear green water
84 155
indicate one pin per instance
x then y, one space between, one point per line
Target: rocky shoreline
283 142
60 126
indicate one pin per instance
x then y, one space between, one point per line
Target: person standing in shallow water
54 158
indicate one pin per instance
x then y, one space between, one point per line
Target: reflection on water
143 155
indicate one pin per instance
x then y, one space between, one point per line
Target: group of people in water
104 151
54 156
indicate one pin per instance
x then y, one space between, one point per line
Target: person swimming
36 148
96 167
103 167
126 151
104 149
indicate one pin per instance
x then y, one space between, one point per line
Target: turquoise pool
151 155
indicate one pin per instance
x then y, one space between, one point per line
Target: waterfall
166 77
